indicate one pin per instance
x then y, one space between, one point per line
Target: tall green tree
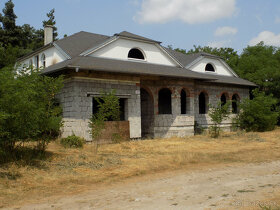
261 65
31 39
51 21
9 32
10 36
9 18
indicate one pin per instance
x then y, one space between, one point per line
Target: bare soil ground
246 186
210 170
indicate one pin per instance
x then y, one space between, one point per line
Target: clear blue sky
180 23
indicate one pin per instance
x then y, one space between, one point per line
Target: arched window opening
147 113
209 67
31 63
43 59
203 101
235 101
37 61
183 102
164 101
223 99
136 54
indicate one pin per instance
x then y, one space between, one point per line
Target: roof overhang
103 65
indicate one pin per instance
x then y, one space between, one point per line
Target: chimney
48 34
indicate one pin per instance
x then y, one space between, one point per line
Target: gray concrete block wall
214 93
175 124
77 106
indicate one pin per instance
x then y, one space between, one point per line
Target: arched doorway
235 103
203 103
224 99
164 101
147 114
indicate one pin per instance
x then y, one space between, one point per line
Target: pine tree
51 21
9 32
9 18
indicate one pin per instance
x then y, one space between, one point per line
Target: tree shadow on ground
25 156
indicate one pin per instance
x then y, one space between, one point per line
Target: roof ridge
134 36
77 33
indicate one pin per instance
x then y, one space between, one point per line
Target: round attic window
136 54
209 67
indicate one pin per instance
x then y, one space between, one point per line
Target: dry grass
272 202
68 171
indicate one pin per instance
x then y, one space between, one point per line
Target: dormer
134 48
211 64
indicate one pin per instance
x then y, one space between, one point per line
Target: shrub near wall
258 114
108 110
72 141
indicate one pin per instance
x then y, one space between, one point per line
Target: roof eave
35 52
171 56
72 67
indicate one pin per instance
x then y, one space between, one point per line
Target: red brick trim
148 91
188 92
226 94
235 93
205 92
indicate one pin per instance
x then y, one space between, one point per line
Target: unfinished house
162 92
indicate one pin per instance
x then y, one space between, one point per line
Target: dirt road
229 187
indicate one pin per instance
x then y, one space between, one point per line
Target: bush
28 109
217 114
108 110
258 114
72 141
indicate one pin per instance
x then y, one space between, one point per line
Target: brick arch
165 101
188 92
203 91
226 94
148 90
185 100
236 93
234 104
224 98
203 101
167 87
147 111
